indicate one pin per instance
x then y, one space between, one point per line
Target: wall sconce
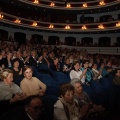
34 24
84 27
1 16
51 26
17 21
68 5
67 27
85 5
101 26
102 3
118 24
36 1
52 4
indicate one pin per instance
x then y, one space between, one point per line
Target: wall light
85 5
36 1
101 26
84 27
34 24
1 16
67 27
102 3
68 5
52 4
118 24
51 26
17 20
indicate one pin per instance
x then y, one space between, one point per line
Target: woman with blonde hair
8 88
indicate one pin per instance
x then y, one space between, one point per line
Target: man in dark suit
31 111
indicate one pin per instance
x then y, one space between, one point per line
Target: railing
95 50
91 27
74 5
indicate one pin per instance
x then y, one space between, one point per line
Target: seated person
84 99
89 74
96 73
116 80
77 73
32 110
17 71
67 65
67 108
9 91
31 85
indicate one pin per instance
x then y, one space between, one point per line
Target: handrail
72 8
58 26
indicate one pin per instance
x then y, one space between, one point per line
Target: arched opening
104 42
70 41
53 40
87 41
37 39
3 35
106 18
20 38
118 42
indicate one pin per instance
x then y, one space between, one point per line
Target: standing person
31 85
32 110
67 108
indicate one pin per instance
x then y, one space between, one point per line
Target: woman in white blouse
77 73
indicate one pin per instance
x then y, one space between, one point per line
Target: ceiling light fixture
34 24
17 20
1 16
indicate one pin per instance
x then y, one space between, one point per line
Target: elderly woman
8 89
67 108
9 92
31 85
84 99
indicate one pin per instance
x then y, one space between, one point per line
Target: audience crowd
70 84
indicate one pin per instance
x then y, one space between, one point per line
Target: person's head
27 72
9 55
77 85
55 60
15 63
67 92
85 63
33 53
76 65
67 60
33 106
95 66
117 72
7 76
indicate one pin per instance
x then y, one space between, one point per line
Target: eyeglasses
37 107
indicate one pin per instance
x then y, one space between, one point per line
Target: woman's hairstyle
25 68
66 87
74 81
74 63
4 74
15 60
